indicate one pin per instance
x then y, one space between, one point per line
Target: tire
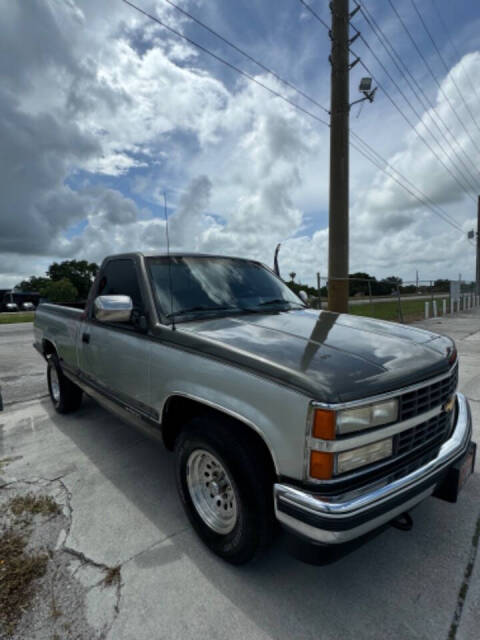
65 395
237 523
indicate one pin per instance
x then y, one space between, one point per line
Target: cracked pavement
122 510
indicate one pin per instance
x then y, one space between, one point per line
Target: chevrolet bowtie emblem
448 406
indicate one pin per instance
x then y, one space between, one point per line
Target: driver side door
115 356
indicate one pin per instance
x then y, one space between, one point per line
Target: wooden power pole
339 162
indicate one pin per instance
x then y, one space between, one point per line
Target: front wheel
65 395
225 489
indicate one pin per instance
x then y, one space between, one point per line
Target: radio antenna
170 283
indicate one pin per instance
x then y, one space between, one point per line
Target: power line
315 14
439 53
404 116
432 73
246 55
455 48
371 158
424 100
381 163
225 62
411 124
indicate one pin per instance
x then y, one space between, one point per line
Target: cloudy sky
102 111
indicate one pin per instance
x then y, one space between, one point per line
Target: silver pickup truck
331 424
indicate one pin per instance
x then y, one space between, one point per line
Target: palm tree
292 275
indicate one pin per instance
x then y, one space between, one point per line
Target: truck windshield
206 285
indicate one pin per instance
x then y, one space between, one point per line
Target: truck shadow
398 585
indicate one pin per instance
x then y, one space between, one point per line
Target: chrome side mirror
303 297
113 308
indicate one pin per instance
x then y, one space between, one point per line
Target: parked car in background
332 424
13 300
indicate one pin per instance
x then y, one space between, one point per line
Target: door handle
86 338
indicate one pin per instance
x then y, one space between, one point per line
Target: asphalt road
124 511
22 369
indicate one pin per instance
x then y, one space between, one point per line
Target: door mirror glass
113 308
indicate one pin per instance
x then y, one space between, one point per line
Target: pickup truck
331 424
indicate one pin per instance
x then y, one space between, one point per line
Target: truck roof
176 254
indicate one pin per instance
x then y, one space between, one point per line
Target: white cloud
96 101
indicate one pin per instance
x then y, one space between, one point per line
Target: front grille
429 433
428 397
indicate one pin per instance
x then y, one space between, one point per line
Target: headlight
372 415
324 465
328 424
348 460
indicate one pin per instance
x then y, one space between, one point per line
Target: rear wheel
65 395
225 488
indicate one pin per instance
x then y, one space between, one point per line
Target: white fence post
444 307
434 308
451 305
426 309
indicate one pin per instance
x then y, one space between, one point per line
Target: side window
120 278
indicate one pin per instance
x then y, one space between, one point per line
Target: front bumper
344 518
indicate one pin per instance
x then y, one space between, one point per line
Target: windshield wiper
259 307
277 301
198 308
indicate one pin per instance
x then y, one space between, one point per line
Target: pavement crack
110 576
85 560
462 593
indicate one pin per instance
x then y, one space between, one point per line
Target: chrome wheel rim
211 491
54 385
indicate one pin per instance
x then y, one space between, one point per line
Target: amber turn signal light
321 465
324 424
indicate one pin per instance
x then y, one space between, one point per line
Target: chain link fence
400 301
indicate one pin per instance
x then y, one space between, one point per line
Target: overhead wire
246 55
432 74
445 65
421 96
465 185
369 154
420 196
455 48
311 10
245 74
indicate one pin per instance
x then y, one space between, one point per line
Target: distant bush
60 291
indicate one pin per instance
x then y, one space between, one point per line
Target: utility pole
339 164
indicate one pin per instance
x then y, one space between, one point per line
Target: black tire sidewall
241 544
70 394
53 364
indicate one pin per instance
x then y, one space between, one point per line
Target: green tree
358 283
33 283
80 273
60 291
292 275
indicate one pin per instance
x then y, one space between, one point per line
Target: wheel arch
48 348
179 407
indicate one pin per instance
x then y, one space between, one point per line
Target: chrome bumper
340 519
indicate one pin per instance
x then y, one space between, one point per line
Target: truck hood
331 357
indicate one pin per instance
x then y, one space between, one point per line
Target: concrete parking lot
122 509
